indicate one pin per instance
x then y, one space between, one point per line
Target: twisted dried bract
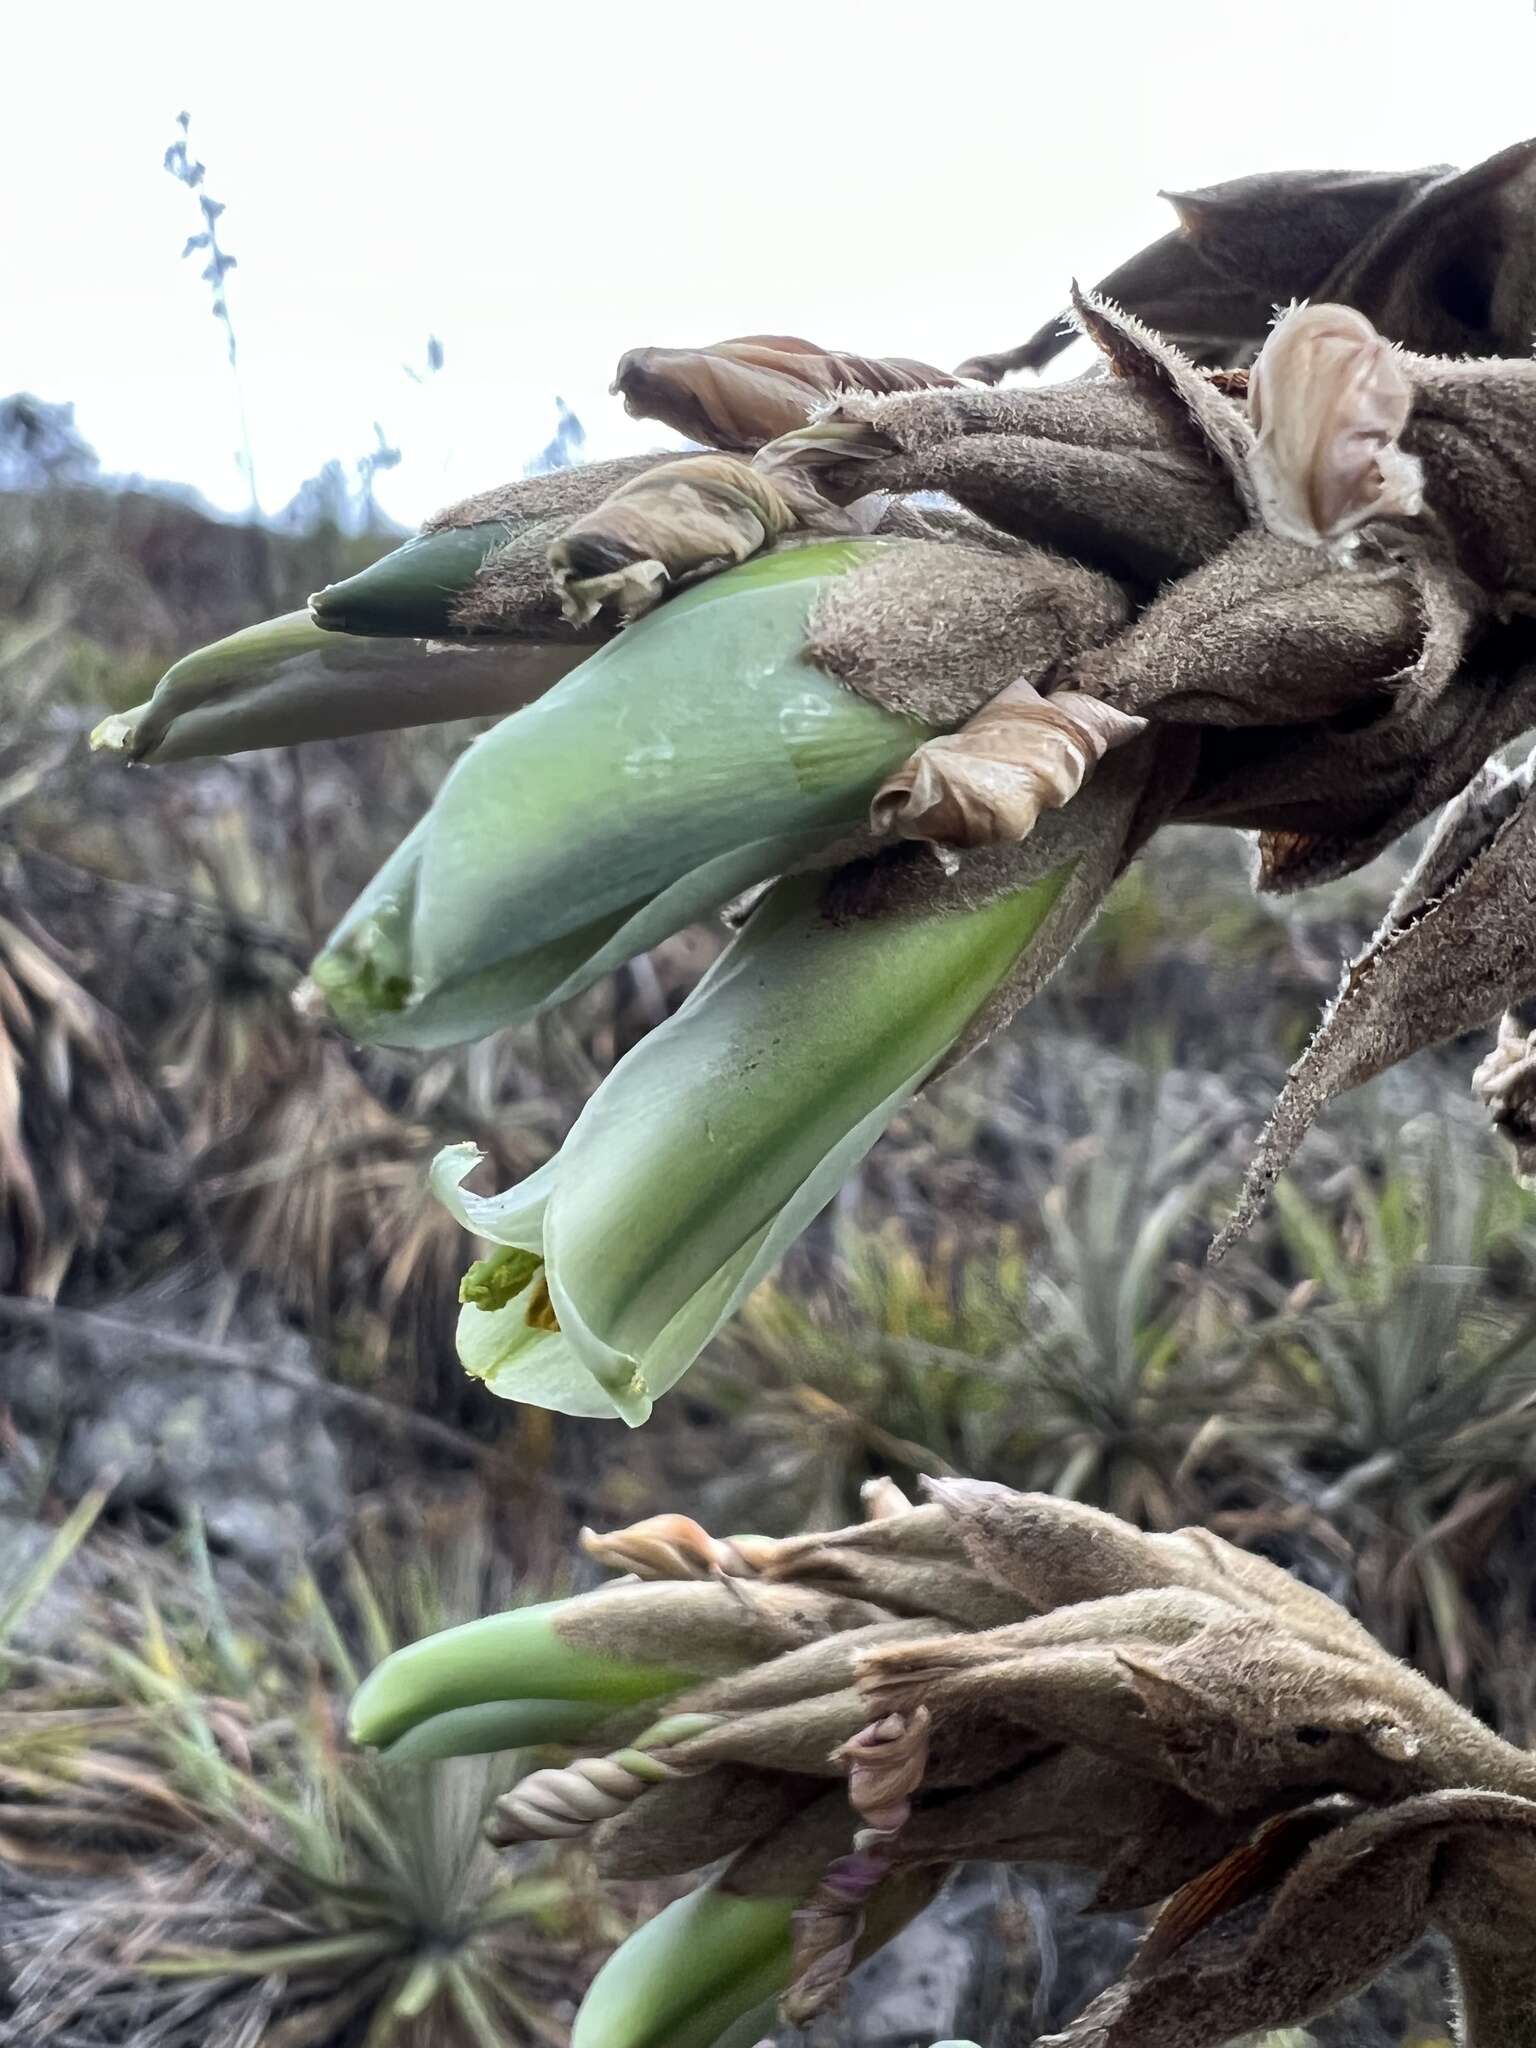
886 1764
1184 1720
1328 399
551 1806
987 783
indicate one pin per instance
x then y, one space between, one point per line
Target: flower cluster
935 660
997 1676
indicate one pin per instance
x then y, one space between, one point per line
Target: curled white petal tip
309 1001
117 734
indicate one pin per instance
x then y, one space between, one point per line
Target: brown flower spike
1212 1738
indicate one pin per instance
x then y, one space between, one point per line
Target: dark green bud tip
410 592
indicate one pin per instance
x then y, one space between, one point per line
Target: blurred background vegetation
238 1459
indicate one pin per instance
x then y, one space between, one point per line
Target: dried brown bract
663 529
1451 273
738 394
1328 399
988 782
1438 259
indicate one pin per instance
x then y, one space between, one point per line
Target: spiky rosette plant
1009 1677
1288 594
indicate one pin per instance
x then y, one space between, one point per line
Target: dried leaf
987 783
1360 1894
1328 399
1457 962
1257 1866
1451 274
738 394
1241 248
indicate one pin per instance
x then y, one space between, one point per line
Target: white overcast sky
545 186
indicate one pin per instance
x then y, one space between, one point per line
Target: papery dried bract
738 394
886 1764
987 783
703 513
1328 399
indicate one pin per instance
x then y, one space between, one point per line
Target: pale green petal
518 1362
742 1114
366 968
514 1217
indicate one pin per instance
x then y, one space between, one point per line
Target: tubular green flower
286 680
709 1968
697 754
712 1145
518 1658
496 1725
690 1973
